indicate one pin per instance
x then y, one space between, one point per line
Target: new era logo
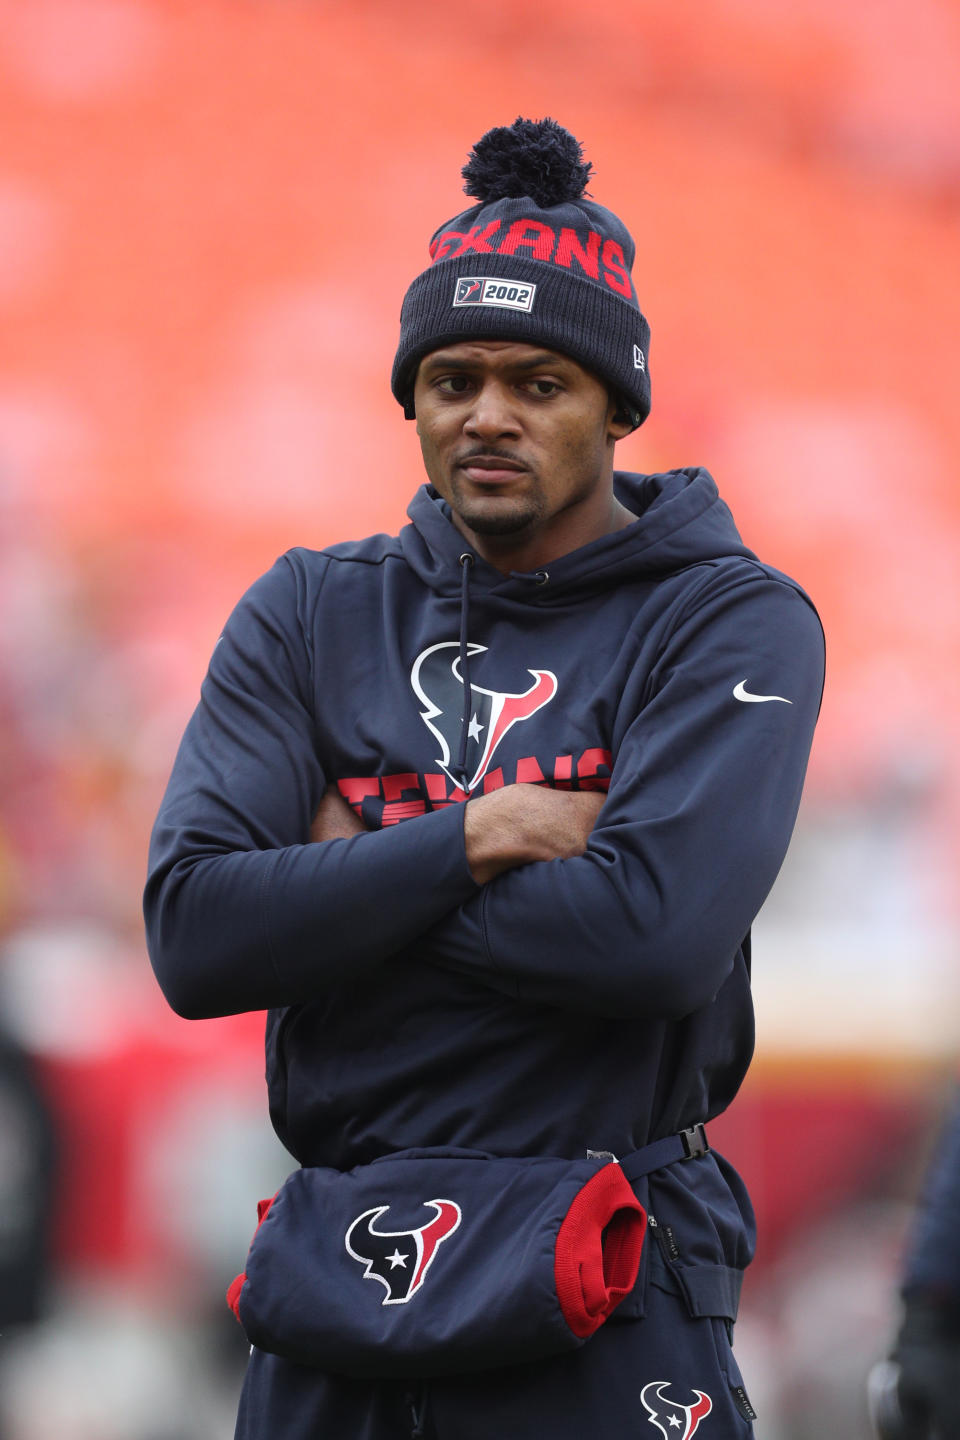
509 294
639 362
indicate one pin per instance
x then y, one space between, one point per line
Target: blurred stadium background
209 210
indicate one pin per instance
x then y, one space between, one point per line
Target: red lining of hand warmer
237 1284
597 1255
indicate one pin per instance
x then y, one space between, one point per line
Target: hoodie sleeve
702 800
933 1254
242 912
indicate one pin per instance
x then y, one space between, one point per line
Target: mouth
490 469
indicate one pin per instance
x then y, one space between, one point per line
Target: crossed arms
516 825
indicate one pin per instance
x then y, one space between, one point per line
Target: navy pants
667 1374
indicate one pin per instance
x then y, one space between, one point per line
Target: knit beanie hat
533 261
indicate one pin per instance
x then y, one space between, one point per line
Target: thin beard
505 525
516 523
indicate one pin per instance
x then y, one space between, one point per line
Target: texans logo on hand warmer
400 1259
438 683
660 1410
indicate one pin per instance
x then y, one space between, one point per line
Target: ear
621 421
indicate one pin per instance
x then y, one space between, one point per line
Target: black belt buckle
695 1142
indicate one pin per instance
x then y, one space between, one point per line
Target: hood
681 521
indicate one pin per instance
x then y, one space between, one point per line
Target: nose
493 414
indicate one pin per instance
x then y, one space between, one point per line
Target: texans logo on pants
661 1410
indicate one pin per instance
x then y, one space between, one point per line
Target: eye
453 384
544 388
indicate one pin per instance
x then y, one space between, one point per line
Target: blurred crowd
199 305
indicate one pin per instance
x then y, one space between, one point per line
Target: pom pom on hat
538 158
534 260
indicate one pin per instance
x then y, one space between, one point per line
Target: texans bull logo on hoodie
437 681
400 1259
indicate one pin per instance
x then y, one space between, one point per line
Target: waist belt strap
687 1145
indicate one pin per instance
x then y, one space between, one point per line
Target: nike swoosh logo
739 693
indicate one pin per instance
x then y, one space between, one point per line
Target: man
914 1394
625 697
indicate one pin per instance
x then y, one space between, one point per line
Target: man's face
517 439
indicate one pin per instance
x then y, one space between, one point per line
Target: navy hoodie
601 1001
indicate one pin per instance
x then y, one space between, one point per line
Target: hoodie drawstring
417 1416
460 769
534 577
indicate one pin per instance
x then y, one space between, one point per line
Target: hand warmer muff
436 1262
442 1261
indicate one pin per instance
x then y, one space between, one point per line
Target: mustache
489 452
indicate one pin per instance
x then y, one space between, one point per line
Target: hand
335 819
521 824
